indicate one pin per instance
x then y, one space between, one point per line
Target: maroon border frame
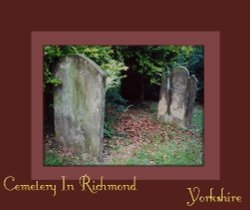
211 43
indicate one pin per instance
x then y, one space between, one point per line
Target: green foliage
108 130
102 55
196 67
153 107
109 121
51 55
152 61
149 61
196 59
114 100
113 97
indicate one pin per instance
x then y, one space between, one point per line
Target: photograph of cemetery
123 105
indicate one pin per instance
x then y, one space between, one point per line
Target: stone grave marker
79 105
177 97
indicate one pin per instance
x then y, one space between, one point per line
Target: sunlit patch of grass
171 153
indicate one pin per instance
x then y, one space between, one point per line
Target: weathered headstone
192 89
79 105
164 96
177 97
179 85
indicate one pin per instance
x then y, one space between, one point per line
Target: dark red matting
20 18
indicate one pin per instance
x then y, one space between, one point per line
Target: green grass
197 122
169 153
51 159
180 149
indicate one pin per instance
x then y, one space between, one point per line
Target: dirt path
133 131
139 130
138 138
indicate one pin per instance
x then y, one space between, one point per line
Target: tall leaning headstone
163 105
177 97
79 105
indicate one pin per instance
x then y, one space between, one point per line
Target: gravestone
192 89
79 105
164 96
177 97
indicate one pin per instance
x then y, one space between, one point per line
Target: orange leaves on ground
136 125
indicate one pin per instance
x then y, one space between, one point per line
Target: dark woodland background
134 75
134 72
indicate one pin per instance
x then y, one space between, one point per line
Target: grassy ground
163 144
136 137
